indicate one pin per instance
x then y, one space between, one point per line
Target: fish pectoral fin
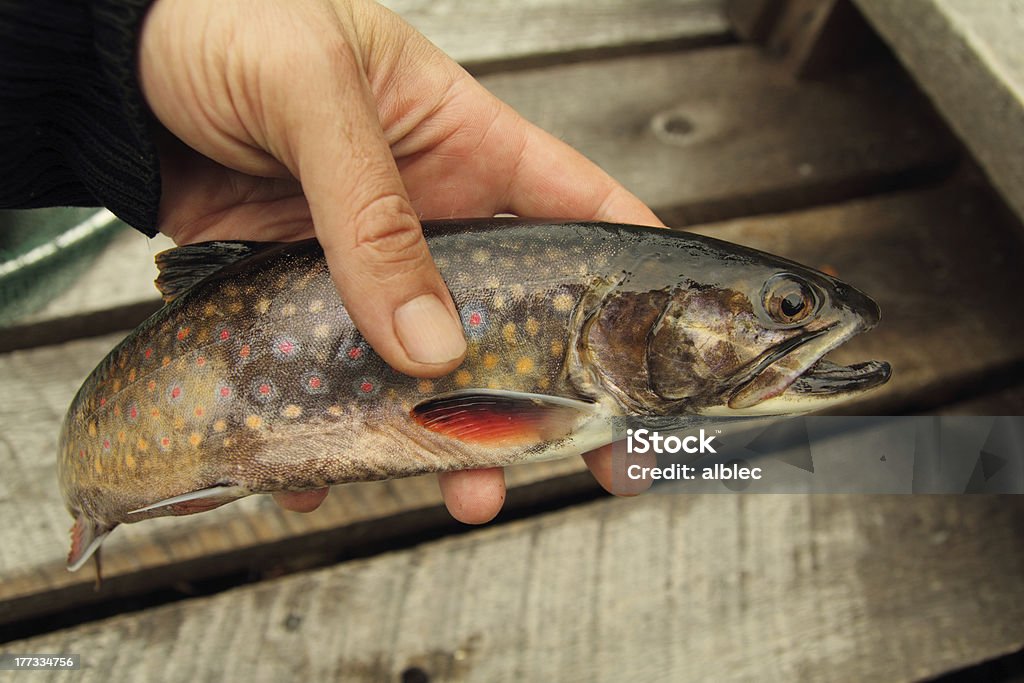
495 417
198 501
86 538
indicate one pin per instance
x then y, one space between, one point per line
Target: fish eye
788 300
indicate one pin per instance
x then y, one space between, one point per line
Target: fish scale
253 378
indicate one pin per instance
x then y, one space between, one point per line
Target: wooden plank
942 331
725 132
814 38
753 20
116 292
966 55
503 33
940 265
662 587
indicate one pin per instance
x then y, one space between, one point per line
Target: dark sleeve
74 129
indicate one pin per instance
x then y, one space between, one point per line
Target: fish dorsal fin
182 267
494 417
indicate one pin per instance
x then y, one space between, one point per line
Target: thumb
372 238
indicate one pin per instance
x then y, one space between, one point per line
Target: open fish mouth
794 377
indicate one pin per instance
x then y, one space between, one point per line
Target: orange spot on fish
509 332
254 422
166 361
195 438
291 410
92 429
524 365
532 326
336 411
155 412
463 378
201 361
142 445
220 426
425 386
131 375
244 351
490 361
152 385
199 411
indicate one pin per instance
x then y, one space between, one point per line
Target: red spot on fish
165 442
366 387
148 353
264 389
81 453
225 392
355 353
224 335
175 392
199 411
182 333
475 319
244 351
201 361
286 347
315 382
103 402
152 385
133 412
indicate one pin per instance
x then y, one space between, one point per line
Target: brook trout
253 379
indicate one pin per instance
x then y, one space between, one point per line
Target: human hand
292 118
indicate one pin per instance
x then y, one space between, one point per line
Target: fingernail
428 332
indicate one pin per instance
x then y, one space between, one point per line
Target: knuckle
389 238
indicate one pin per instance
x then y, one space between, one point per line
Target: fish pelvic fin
495 417
197 501
183 267
86 538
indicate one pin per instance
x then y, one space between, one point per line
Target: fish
252 378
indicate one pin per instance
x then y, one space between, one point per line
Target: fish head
745 337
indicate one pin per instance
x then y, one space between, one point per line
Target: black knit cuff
73 123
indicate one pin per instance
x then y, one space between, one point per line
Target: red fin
197 501
86 537
501 418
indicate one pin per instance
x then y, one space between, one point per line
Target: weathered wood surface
813 37
483 35
662 587
944 251
967 56
726 132
700 136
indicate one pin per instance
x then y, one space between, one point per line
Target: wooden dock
730 119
